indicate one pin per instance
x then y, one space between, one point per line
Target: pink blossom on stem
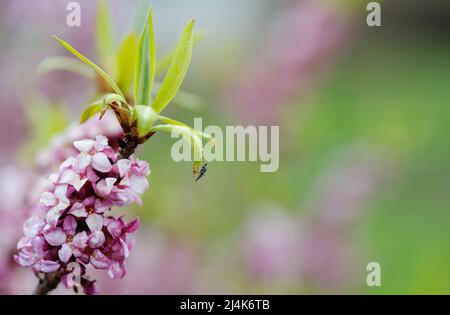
72 226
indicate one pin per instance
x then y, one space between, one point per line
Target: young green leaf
126 59
190 136
183 99
146 117
144 72
111 98
177 69
171 121
91 64
90 111
101 105
164 62
103 35
64 63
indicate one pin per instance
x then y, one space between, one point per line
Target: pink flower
72 227
95 153
74 244
113 256
35 252
57 201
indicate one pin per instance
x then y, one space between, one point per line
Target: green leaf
111 97
103 36
166 59
126 59
100 105
144 72
90 111
65 64
91 64
184 99
190 136
177 69
171 121
146 117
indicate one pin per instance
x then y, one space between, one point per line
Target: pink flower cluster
73 227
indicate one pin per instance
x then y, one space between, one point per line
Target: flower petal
94 222
79 184
105 186
24 242
78 210
115 228
48 266
33 226
116 270
25 259
101 163
125 182
126 251
81 256
85 145
70 225
92 175
53 178
138 184
133 226
55 236
100 143
79 241
65 253
69 176
83 160
96 239
99 260
102 205
63 203
39 246
121 197
47 199
123 166
53 215
140 168
61 191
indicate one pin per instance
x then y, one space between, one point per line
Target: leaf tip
150 15
59 40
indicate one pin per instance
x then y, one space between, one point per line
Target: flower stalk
47 282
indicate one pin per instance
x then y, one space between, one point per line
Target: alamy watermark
374 17
373 278
74 16
233 143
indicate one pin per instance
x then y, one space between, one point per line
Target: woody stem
48 283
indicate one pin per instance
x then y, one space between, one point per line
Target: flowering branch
72 226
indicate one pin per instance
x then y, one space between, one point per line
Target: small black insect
202 172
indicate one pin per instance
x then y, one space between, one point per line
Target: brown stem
129 143
47 283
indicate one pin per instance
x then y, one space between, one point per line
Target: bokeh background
364 145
